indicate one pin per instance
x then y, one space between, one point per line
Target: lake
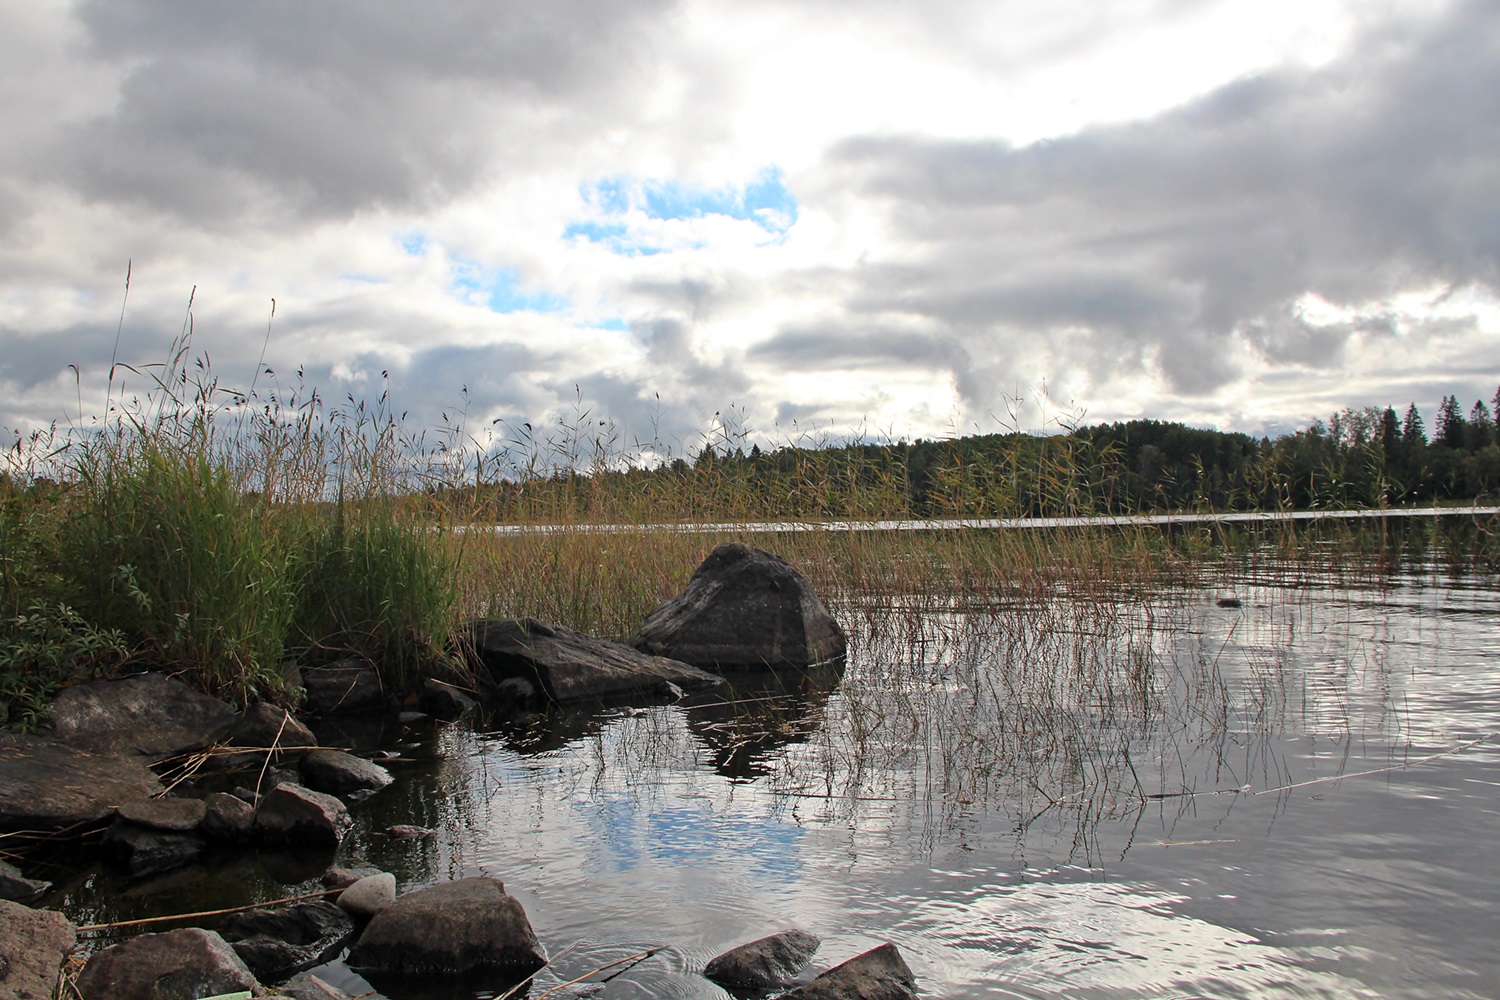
1128 796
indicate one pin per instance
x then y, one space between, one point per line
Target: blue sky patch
764 200
415 244
500 289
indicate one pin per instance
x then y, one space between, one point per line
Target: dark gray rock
46 784
446 701
265 726
291 814
275 943
743 608
183 964
766 963
141 850
451 929
878 974
307 986
150 714
177 815
525 658
342 774
227 818
33 946
346 686
17 887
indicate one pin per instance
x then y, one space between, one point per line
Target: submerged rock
342 774
143 850
276 943
33 946
743 608
183 964
452 929
292 814
307 986
766 963
526 659
150 714
46 784
878 974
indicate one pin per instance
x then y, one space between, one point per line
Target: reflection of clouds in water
1108 940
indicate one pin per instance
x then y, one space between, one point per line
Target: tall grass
217 532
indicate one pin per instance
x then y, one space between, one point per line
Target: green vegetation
218 533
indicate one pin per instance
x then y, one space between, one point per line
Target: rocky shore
157 774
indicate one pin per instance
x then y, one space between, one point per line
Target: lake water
1095 797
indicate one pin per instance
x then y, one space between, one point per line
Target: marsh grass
218 532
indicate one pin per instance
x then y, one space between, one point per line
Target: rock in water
533 658
275 943
764 964
33 944
183 964
292 814
878 974
451 929
369 895
342 774
743 608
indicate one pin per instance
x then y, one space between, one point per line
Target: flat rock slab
744 608
183 964
766 963
33 945
879 974
46 784
451 929
530 658
342 774
150 714
180 815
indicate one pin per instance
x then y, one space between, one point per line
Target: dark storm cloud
241 110
1163 240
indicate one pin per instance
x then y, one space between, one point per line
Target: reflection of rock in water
757 712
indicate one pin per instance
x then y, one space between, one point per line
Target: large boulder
275 943
878 974
291 814
47 784
33 945
766 963
342 774
525 658
743 608
150 714
452 929
184 964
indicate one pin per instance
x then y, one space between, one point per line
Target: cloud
1179 239
227 114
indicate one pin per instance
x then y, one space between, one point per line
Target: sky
785 220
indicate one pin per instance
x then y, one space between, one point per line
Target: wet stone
766 963
177 815
184 964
